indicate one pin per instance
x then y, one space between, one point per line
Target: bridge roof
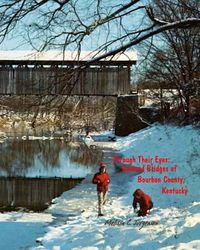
68 57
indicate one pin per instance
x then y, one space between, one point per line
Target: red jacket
144 201
102 180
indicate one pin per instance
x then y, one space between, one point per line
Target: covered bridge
54 73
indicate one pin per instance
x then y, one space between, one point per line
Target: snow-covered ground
19 229
175 218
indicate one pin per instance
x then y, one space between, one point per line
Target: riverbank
19 230
174 222
61 116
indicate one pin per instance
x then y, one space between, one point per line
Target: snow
19 230
175 218
57 55
152 97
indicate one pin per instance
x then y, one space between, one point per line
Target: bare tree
115 26
71 24
174 58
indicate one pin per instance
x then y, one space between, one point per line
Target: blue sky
17 41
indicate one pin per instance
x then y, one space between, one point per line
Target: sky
16 40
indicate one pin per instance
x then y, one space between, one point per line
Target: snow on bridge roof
69 56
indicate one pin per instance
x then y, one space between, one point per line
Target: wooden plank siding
59 79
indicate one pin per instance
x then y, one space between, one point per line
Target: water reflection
32 193
46 158
28 170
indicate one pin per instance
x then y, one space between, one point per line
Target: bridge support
128 118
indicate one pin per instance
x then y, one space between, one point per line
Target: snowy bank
174 222
19 229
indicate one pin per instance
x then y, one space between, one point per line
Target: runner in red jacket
102 180
144 201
